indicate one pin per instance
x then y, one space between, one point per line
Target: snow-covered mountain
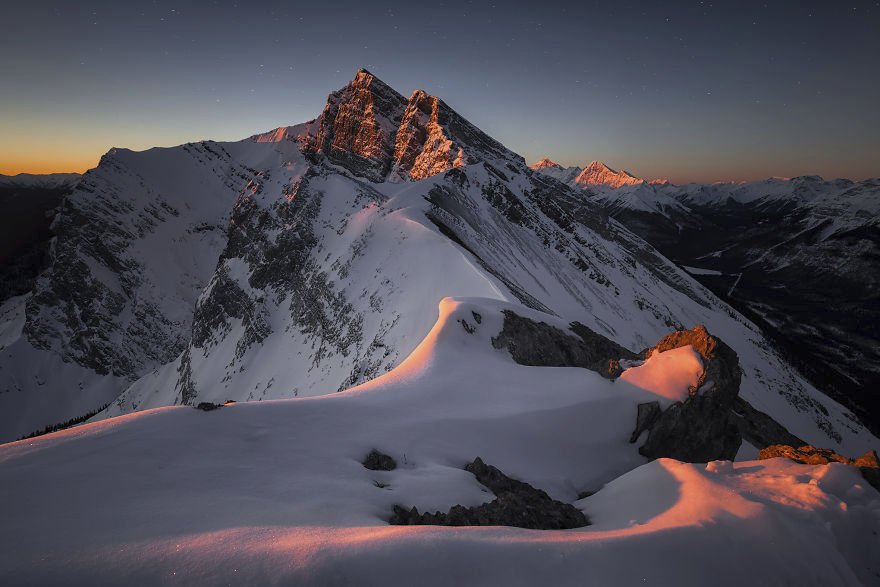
312 258
553 169
797 256
451 332
599 174
595 175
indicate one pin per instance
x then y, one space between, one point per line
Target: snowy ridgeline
248 271
275 492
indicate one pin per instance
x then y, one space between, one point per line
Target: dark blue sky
685 90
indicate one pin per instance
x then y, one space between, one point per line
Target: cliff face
422 148
357 128
375 133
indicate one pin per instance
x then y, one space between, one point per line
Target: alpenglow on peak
374 132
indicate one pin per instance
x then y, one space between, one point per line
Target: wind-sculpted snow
276 492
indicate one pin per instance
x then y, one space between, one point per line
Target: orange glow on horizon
13 163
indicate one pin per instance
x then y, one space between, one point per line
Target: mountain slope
312 258
555 170
798 257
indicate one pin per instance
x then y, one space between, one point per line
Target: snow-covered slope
134 245
275 492
312 258
323 285
640 197
555 170
797 256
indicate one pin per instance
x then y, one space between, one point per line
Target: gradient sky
691 91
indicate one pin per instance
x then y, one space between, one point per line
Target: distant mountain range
596 174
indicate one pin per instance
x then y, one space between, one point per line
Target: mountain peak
366 79
599 174
373 131
546 163
356 129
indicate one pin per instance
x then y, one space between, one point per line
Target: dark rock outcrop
701 428
377 461
208 406
868 463
517 504
539 344
648 413
759 429
709 425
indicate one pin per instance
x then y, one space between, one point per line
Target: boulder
377 461
701 428
208 406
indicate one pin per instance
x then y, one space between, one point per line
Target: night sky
691 91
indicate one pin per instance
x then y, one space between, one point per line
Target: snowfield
274 492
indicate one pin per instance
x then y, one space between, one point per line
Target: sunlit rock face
422 148
599 174
357 127
433 138
376 133
545 163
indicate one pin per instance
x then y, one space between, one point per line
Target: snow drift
275 491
